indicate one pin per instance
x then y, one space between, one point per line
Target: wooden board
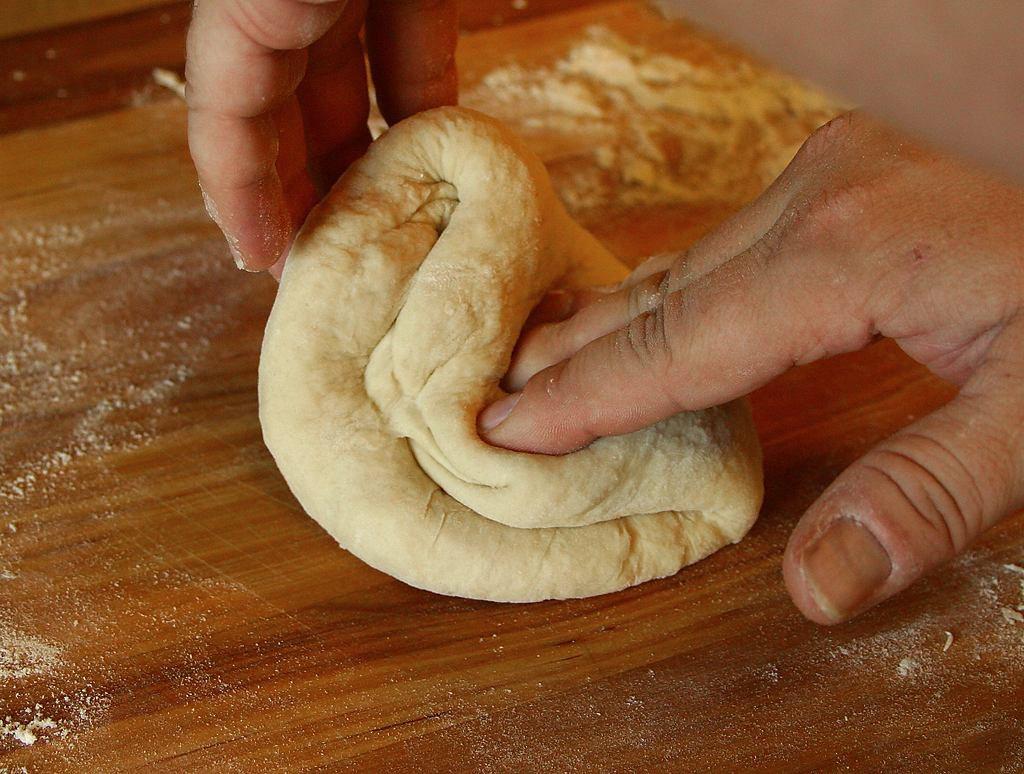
103 64
165 605
18 17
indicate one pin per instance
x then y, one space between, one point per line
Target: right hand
278 102
865 234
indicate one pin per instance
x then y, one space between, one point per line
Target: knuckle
832 213
648 294
282 27
843 189
942 495
650 341
644 339
827 140
253 21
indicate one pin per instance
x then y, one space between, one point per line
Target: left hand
278 101
865 234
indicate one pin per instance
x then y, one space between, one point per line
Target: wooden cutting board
165 604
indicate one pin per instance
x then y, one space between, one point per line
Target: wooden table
165 605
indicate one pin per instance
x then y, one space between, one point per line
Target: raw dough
397 313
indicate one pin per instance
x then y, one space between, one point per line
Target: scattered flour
988 630
907 667
77 358
105 378
619 125
1012 616
26 732
23 655
592 724
622 125
63 715
169 80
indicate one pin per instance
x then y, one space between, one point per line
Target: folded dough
400 304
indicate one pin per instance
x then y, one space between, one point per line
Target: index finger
717 339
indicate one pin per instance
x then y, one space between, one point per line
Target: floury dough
399 307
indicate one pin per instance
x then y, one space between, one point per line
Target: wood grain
18 17
168 607
106 62
55 75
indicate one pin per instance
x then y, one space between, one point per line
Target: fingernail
844 567
211 208
498 412
236 256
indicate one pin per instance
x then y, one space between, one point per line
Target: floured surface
166 604
627 125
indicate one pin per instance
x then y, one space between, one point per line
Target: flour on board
22 655
26 732
107 405
622 125
107 381
907 667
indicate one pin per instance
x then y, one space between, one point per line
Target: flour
987 626
1011 616
621 125
622 715
55 719
22 655
26 732
105 402
907 667
169 80
77 354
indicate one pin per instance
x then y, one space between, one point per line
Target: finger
411 46
242 191
562 303
646 287
335 100
716 339
559 305
290 165
758 221
910 504
547 344
244 63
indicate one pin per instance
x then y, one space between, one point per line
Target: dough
400 304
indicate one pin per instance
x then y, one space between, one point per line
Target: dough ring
400 304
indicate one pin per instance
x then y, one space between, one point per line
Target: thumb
909 504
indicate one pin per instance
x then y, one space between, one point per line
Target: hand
278 102
865 234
